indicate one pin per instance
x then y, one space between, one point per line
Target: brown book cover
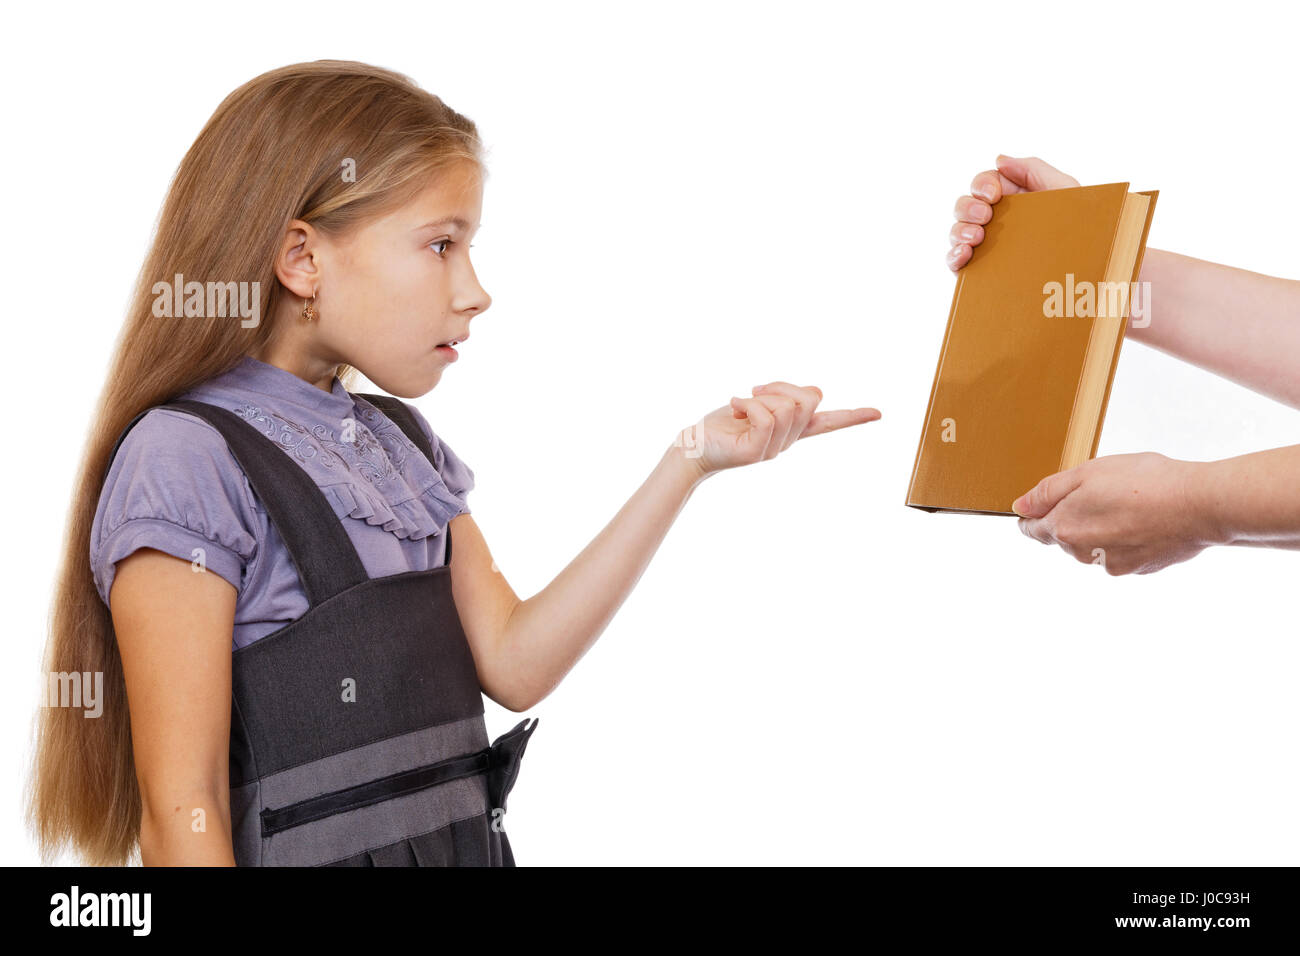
1033 338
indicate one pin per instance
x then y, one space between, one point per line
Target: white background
685 201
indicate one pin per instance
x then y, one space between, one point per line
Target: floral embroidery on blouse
361 460
378 451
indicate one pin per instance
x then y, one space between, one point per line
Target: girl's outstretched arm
523 649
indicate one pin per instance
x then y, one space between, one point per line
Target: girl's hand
972 212
1132 514
759 428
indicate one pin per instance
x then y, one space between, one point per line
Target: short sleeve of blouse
174 486
456 475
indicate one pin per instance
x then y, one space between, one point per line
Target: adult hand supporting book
1139 513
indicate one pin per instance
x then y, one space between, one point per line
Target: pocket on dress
374 791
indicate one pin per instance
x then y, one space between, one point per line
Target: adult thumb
1032 174
1044 496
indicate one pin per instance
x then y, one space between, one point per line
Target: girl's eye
445 242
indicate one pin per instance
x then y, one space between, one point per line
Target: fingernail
985 192
968 232
1017 505
757 388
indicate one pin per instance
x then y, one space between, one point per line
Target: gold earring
308 312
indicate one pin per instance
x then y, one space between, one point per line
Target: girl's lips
447 352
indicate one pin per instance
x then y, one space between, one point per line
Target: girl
259 563
1238 324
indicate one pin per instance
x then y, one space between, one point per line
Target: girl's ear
297 263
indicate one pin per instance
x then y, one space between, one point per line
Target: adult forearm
1252 499
1244 326
548 634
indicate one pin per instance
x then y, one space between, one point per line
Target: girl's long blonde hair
278 148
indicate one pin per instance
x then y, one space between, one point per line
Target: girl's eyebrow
456 221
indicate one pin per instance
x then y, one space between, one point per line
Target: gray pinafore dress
357 735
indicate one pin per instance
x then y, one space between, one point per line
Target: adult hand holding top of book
974 211
1139 513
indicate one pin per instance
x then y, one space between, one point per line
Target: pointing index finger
830 421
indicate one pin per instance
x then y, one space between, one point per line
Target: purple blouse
175 486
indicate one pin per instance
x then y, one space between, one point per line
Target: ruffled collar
363 462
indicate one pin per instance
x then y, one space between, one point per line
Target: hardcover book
1033 337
